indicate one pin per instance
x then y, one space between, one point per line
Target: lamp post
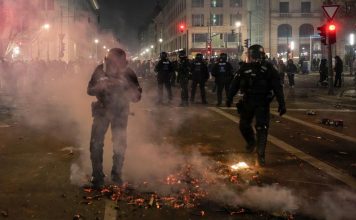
292 47
96 41
46 27
352 52
160 45
238 26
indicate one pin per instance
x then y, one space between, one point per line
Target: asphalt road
36 164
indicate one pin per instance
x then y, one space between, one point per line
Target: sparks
240 166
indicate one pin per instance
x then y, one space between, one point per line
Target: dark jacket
200 72
164 69
223 72
339 66
291 68
183 69
118 91
257 82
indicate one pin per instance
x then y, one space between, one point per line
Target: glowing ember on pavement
240 166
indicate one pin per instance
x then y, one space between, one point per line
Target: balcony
277 14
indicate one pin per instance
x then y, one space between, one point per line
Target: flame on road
240 166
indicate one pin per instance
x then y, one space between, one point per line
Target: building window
306 7
200 38
217 3
198 3
198 20
42 4
217 20
306 30
284 7
231 37
236 3
50 4
285 30
234 18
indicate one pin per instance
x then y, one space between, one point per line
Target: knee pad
261 128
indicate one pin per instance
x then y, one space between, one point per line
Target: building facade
195 24
286 28
50 29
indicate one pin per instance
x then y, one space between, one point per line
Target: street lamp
152 46
160 44
104 47
46 27
238 26
352 39
96 41
352 52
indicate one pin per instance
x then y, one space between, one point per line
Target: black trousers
168 86
100 126
337 82
184 90
291 79
261 113
202 91
221 86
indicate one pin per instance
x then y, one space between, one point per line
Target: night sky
125 17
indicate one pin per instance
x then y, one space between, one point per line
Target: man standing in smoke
115 86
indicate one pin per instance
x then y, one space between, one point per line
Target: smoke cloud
54 100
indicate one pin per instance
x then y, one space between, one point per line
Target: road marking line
319 110
337 174
316 127
110 212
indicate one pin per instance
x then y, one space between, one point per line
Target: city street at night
177 109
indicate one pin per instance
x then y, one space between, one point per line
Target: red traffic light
181 28
332 27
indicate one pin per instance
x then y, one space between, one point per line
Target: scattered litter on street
331 122
311 113
4 213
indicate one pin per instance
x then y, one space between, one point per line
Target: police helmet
163 55
182 54
256 52
223 57
199 57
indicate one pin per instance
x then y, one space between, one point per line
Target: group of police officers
196 71
257 80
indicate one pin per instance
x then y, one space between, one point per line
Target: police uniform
183 79
259 82
223 73
200 75
164 70
111 108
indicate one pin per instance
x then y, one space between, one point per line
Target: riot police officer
200 75
223 73
164 69
259 82
183 77
115 86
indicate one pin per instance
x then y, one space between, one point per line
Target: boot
250 147
118 162
262 134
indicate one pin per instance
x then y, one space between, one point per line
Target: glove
282 110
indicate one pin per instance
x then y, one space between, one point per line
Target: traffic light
332 33
208 48
247 43
182 28
322 34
